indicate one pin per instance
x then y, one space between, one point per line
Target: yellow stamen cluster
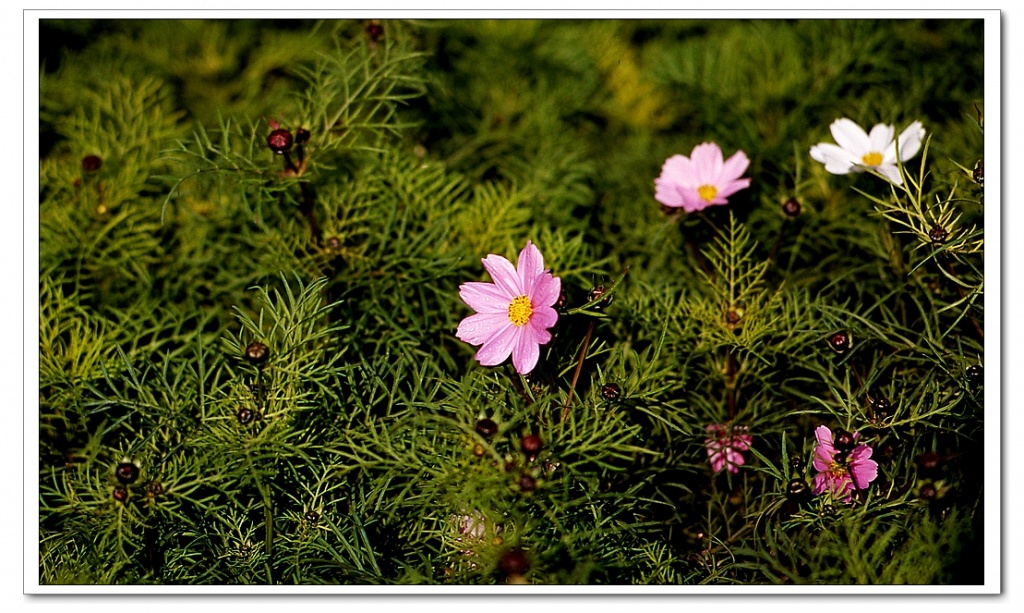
837 470
519 310
707 193
872 159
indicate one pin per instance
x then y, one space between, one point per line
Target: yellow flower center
707 192
872 159
837 470
519 310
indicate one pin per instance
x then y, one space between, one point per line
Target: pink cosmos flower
702 179
857 151
724 448
839 477
513 314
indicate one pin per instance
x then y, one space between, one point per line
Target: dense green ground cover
367 445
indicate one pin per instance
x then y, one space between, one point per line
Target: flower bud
91 163
245 416
791 207
280 141
797 488
486 427
598 294
514 562
126 473
257 353
938 234
840 341
374 30
531 444
929 463
881 405
611 391
975 375
844 440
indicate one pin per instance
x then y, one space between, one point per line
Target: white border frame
994 492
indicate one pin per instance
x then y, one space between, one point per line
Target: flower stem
778 240
518 382
730 383
307 211
579 367
696 253
960 290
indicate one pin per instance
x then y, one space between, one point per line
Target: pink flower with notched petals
838 476
514 312
724 448
701 180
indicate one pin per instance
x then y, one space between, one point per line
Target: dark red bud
280 140
91 163
531 443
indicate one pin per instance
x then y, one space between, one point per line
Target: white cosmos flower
857 151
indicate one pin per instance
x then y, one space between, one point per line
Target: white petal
890 172
881 137
836 160
850 136
910 140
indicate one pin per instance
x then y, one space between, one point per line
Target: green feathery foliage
249 368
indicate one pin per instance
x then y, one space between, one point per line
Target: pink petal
742 442
734 457
678 170
850 137
692 201
707 161
546 290
824 437
734 168
497 349
731 188
667 193
484 297
820 483
865 473
503 274
863 469
717 462
822 459
526 352
543 318
843 489
539 334
479 328
529 267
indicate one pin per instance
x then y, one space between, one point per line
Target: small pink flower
702 179
839 477
724 448
513 314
